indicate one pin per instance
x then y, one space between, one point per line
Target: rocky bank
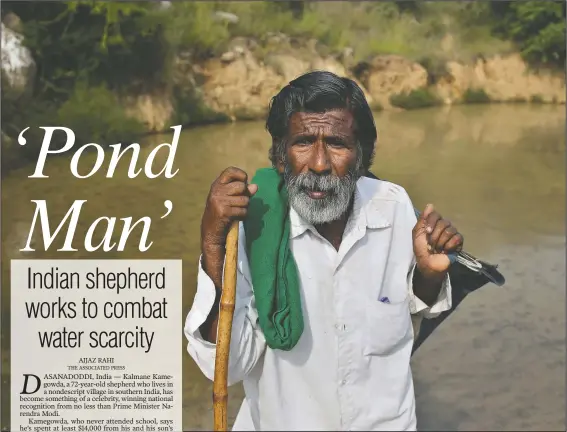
238 84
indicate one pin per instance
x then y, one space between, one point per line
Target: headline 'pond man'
333 269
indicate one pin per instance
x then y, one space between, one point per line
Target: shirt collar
365 213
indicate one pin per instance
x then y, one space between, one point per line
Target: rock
18 66
153 110
312 45
387 75
238 85
239 41
13 22
347 56
277 38
228 56
241 89
225 17
502 78
328 64
286 65
241 86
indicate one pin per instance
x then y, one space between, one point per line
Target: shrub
538 29
436 68
537 99
420 98
95 115
188 108
475 96
376 106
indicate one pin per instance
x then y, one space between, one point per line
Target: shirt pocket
388 327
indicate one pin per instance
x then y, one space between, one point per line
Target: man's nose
320 163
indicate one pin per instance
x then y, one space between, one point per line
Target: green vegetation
537 28
537 99
89 54
109 125
420 98
376 106
475 96
188 108
436 68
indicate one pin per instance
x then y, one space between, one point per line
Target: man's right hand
227 201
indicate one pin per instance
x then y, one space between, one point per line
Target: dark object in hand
467 274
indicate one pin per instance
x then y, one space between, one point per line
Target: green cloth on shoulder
274 273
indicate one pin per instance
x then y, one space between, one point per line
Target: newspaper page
123 125
95 345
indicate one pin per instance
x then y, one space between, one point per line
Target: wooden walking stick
220 385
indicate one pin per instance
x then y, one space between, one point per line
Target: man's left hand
434 238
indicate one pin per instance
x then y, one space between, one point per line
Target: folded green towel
274 273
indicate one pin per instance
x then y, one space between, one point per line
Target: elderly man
322 332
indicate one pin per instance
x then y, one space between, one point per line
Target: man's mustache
316 182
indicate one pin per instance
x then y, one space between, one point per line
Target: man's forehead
338 121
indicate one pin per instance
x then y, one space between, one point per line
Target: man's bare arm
427 288
212 262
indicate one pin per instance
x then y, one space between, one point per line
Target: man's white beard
339 192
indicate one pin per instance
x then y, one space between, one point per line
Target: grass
369 28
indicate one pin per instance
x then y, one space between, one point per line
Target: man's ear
280 166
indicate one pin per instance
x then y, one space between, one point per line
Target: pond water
497 172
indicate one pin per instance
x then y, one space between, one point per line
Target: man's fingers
239 213
252 189
438 230
454 244
431 221
420 227
446 235
235 188
428 210
232 174
238 201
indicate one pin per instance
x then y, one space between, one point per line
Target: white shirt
351 367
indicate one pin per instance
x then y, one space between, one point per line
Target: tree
95 42
538 28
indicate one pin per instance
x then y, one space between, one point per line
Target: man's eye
303 142
336 144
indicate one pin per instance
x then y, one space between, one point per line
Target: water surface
497 172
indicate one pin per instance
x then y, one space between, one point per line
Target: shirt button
343 382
